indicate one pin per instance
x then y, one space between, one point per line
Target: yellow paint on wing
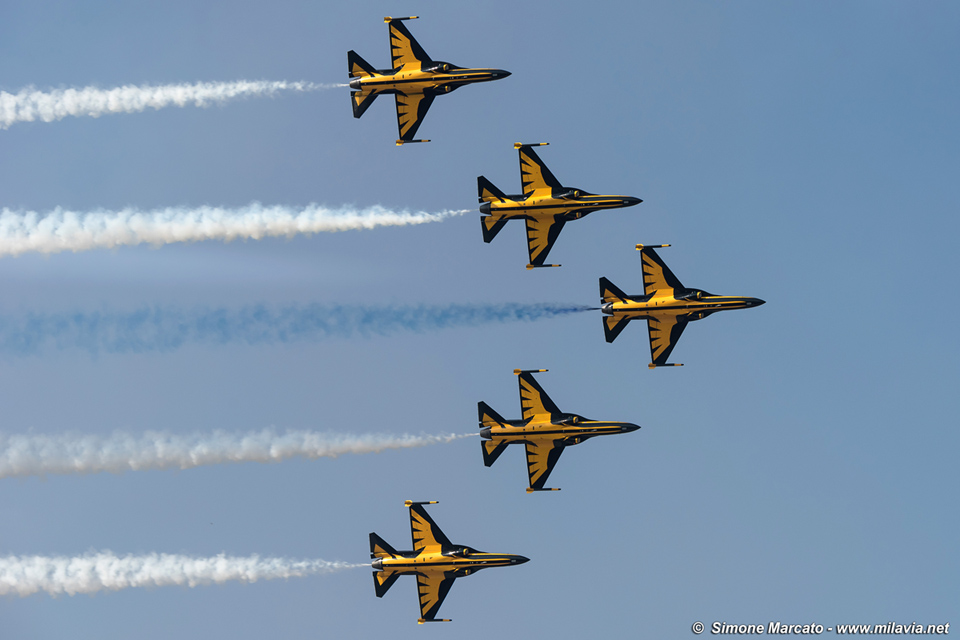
530 401
428 586
653 276
407 107
538 236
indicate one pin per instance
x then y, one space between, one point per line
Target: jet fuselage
695 303
437 78
462 560
545 203
570 429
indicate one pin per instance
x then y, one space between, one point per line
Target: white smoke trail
102 571
30 104
62 230
29 455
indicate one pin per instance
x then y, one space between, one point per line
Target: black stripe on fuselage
497 208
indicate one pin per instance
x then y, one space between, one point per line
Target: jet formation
543 429
545 204
415 79
435 561
666 305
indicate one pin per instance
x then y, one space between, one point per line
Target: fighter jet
435 561
543 429
666 305
415 79
545 204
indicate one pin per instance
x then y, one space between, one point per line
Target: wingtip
518 145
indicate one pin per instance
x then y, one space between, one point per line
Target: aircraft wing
656 274
404 48
533 399
542 456
533 173
664 333
425 531
541 234
432 587
411 109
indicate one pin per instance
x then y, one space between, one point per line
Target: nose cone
627 427
499 73
629 202
518 559
755 302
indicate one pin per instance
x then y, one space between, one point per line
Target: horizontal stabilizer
613 325
383 580
531 490
668 364
487 192
517 372
519 145
410 503
492 450
491 226
540 266
390 19
609 292
400 143
361 101
379 548
423 620
357 67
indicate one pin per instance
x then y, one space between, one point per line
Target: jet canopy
459 552
694 294
438 66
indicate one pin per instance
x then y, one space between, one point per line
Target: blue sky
800 467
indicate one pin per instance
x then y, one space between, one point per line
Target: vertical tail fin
488 417
357 67
610 293
487 192
379 548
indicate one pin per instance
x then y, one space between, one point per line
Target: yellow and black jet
666 305
543 429
545 204
435 561
415 79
